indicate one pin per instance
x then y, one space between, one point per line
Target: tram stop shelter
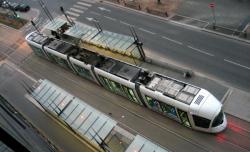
94 126
114 42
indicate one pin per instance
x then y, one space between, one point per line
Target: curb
141 12
225 35
175 22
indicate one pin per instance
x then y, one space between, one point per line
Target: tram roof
60 46
120 69
172 88
37 38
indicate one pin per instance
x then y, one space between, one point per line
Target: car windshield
218 119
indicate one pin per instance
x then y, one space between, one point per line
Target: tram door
184 118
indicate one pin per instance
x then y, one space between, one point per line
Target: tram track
186 139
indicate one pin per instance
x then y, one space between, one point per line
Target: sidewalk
12 45
238 104
195 20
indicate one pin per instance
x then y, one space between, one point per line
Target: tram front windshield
218 119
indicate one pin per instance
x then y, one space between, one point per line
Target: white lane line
89 1
199 50
73 14
76 10
144 30
113 19
95 13
126 23
174 41
232 62
84 4
73 18
80 7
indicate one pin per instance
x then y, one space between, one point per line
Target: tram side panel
83 70
37 48
166 106
118 85
59 58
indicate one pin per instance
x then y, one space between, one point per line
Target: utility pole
71 22
34 25
46 11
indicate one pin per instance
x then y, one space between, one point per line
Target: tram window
169 110
218 120
103 82
184 118
131 92
117 87
153 104
37 51
83 72
201 122
127 93
108 84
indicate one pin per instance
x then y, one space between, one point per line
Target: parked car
23 7
15 6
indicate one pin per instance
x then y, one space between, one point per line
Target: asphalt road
215 56
223 58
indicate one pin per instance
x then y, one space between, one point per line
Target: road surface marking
104 9
73 14
126 23
177 42
80 7
73 18
76 10
144 30
84 4
232 62
89 1
113 19
201 51
95 13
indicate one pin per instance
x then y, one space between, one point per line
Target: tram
190 105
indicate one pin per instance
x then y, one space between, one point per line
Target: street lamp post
212 6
